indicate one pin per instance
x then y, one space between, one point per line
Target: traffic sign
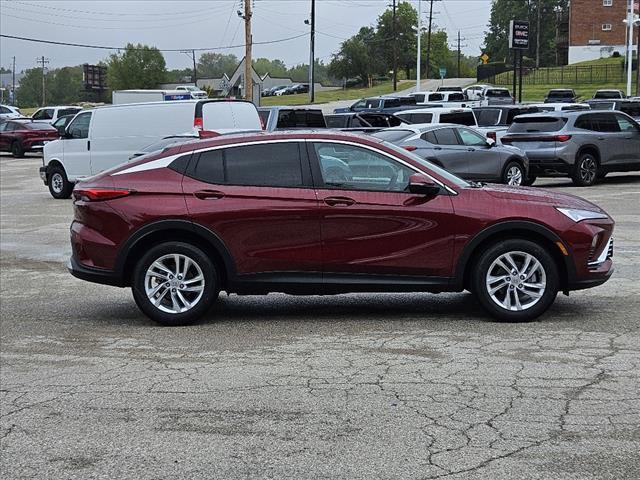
485 58
443 72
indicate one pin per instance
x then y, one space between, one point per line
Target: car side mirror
491 142
423 185
62 131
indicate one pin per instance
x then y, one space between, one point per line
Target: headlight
578 215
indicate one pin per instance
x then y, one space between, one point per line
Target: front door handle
471 149
339 201
208 194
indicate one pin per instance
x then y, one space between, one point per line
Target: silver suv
585 145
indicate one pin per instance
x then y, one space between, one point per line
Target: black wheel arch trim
504 227
590 146
173 224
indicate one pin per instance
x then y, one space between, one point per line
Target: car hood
539 196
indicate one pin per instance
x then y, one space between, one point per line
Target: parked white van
104 137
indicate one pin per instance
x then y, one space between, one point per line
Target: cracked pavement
352 386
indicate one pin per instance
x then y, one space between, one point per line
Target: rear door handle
208 194
471 149
339 201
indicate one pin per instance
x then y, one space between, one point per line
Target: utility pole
192 54
630 45
13 82
429 37
637 64
43 61
248 65
312 47
458 53
395 49
419 46
538 36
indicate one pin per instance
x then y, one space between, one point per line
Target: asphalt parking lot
353 386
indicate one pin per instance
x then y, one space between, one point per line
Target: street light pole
312 59
629 45
395 49
419 46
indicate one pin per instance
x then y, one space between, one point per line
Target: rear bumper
548 166
95 275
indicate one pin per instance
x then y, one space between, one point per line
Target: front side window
266 165
421 117
43 114
472 139
79 128
488 117
625 124
459 118
356 168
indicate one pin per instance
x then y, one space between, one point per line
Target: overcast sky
189 24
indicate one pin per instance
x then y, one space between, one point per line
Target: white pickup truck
194 91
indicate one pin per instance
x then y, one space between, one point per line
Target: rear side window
536 124
264 116
419 97
392 103
586 122
459 118
606 122
407 101
630 108
497 93
68 111
421 117
267 165
336 121
488 117
456 97
300 119
435 97
430 137
446 136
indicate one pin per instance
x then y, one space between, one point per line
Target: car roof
437 110
555 113
423 127
285 107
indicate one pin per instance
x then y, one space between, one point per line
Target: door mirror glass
423 185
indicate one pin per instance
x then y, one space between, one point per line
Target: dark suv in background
326 213
287 118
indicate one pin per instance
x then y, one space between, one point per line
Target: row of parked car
279 90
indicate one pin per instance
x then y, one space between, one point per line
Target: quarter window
355 168
267 165
446 136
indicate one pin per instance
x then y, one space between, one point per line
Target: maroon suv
20 136
325 213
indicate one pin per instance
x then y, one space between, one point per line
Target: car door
260 201
630 138
370 224
76 147
449 151
609 138
5 135
483 162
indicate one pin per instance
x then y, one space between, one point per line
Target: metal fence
566 75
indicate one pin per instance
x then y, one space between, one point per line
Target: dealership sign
519 34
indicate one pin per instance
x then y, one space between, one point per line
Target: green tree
496 41
139 66
214 65
62 86
357 57
406 23
275 68
183 75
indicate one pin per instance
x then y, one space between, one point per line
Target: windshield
164 143
602 106
498 93
393 135
561 94
428 166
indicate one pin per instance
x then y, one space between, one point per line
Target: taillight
99 194
562 138
506 140
492 136
198 123
410 148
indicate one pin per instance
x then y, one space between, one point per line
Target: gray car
585 145
462 151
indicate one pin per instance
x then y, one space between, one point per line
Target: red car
20 136
326 213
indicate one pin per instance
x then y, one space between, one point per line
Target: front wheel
59 186
175 283
585 171
513 174
516 280
530 180
17 150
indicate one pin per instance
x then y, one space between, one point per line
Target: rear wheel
17 150
175 283
585 170
530 180
59 186
515 280
513 174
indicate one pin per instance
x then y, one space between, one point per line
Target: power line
105 47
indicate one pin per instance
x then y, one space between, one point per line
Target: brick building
596 29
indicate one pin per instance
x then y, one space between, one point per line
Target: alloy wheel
588 169
174 283
516 281
57 182
514 176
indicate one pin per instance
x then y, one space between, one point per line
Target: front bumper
43 175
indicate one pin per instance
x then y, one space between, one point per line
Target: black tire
585 170
202 302
59 186
518 248
513 174
602 174
17 150
530 180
